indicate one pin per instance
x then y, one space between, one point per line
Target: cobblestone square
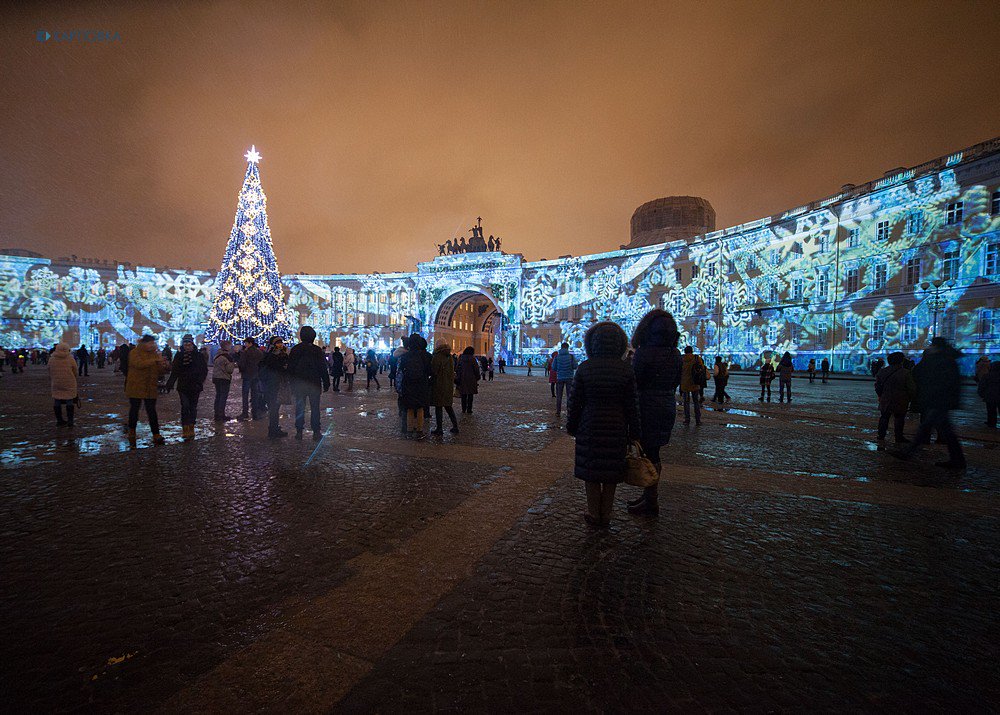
794 565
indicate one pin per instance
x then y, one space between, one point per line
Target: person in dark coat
443 386
82 360
371 367
336 367
895 389
824 369
415 382
467 377
989 390
273 372
603 416
785 370
938 392
307 373
188 372
766 378
248 362
657 367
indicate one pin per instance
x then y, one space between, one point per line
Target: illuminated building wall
869 270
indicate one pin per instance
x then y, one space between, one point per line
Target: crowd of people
625 391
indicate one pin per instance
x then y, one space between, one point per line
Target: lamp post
937 302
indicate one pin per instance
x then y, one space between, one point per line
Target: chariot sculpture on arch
476 244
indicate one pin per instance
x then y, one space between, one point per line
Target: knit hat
188 338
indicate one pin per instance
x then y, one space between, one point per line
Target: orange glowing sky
386 128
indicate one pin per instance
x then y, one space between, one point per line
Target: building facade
875 268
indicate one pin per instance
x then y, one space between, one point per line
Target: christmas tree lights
248 298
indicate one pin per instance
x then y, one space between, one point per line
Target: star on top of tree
253 156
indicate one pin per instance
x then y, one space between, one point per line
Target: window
882 231
955 211
679 274
853 282
775 256
989 323
946 325
993 259
822 285
851 329
772 334
912 270
824 243
712 301
751 262
908 329
694 272
797 286
711 270
853 238
732 266
774 293
821 328
949 265
879 274
915 222
995 203
679 304
878 329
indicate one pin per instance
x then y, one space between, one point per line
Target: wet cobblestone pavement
793 566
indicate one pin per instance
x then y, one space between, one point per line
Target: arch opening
468 318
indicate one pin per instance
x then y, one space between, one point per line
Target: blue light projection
876 268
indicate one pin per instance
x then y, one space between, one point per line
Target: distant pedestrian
938 392
102 358
489 368
223 368
336 367
564 364
551 371
145 365
443 387
982 368
371 367
785 371
720 376
529 367
83 360
989 389
467 378
249 365
824 368
603 416
62 376
895 388
502 365
766 378
811 369
307 374
415 382
350 367
657 367
188 372
274 380
693 374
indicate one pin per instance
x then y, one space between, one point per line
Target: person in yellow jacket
145 365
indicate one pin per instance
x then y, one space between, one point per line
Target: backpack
699 375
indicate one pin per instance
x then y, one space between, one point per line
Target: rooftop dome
671 218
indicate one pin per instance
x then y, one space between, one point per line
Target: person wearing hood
371 370
467 378
692 371
350 367
785 370
145 366
336 367
895 389
415 382
273 373
223 368
308 374
443 387
603 416
62 375
248 362
989 389
657 367
188 373
938 392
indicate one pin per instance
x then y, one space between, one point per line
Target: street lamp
937 302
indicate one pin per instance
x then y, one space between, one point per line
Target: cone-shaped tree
248 299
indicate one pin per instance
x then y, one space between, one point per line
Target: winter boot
157 439
131 438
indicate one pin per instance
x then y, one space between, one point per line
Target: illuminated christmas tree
248 298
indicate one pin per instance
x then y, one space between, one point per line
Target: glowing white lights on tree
248 296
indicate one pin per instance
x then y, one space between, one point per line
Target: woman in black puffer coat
415 384
604 417
657 366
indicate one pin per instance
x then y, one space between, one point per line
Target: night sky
386 128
